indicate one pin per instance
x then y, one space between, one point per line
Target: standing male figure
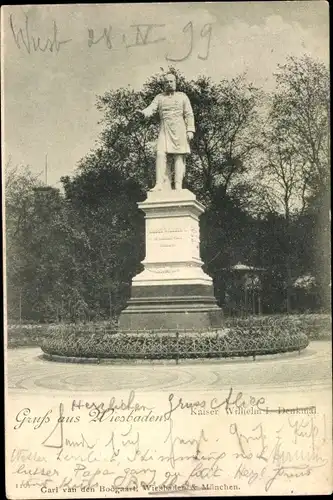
176 132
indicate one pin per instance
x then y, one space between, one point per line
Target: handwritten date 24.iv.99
29 39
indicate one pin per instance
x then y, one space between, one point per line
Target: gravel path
28 372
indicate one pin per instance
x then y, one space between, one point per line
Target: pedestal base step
158 320
183 307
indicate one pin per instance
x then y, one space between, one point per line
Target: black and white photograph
166 249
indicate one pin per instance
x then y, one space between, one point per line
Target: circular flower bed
248 339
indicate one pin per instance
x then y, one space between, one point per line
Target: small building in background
243 290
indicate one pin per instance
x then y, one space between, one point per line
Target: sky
57 58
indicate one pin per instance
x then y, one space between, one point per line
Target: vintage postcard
166 226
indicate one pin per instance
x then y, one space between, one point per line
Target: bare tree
294 167
282 188
300 112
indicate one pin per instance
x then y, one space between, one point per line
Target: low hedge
230 342
34 335
315 326
27 335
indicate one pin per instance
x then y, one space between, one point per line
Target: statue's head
170 82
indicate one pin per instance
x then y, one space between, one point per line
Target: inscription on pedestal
167 242
171 241
166 237
172 244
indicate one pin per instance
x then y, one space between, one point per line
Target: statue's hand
190 136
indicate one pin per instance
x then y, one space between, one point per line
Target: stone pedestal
172 292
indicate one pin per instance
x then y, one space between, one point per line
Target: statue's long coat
177 119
